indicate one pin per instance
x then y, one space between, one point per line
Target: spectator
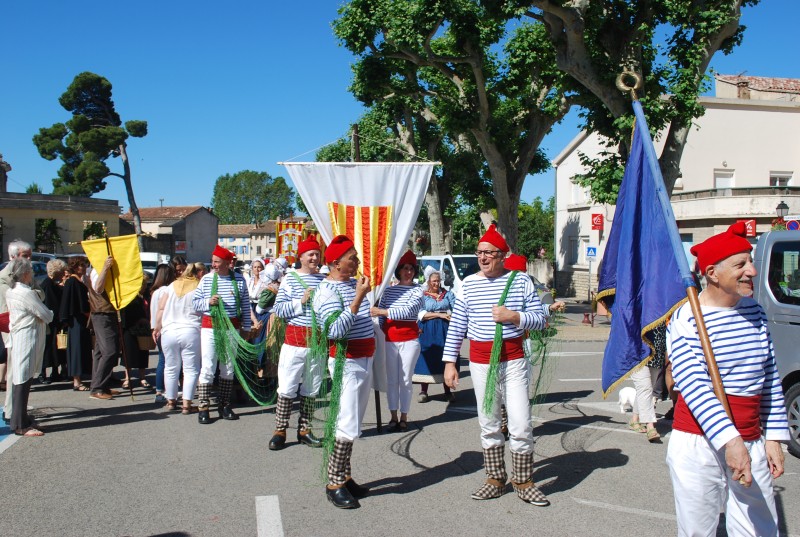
165 275
434 318
74 314
28 323
178 266
52 288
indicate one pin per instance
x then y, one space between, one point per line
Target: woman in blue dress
434 319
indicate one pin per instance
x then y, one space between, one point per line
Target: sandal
170 404
145 384
392 425
79 388
402 426
186 410
29 432
652 435
126 384
637 427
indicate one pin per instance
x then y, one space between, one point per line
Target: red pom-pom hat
721 246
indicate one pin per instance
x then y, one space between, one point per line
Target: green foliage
466 221
86 141
48 235
33 188
249 197
536 228
93 230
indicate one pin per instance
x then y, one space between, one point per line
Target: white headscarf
430 271
272 273
282 264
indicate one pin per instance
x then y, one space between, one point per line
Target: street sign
591 253
750 227
597 221
793 225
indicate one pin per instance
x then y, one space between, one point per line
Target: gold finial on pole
623 85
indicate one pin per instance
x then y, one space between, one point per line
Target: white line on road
576 353
473 412
580 380
268 517
8 442
623 509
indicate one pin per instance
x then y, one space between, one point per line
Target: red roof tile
760 83
157 214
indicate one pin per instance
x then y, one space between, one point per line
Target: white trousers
401 358
209 359
294 373
513 380
643 380
356 385
703 485
181 346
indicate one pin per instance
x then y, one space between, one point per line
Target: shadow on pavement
51 417
468 462
564 397
564 472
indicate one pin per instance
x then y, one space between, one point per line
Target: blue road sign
591 252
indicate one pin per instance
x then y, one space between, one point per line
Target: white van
151 260
453 267
777 289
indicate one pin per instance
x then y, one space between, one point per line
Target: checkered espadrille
203 396
225 391
306 414
283 409
522 481
495 466
339 463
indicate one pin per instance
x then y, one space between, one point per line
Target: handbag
61 340
146 343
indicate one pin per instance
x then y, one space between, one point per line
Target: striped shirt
746 359
333 296
225 291
472 313
403 302
288 303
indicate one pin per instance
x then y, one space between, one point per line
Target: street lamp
782 209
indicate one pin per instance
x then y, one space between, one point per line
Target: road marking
580 380
576 353
8 441
474 412
630 510
268 517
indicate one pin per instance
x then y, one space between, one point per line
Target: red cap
337 248
222 253
495 239
516 262
408 259
714 249
307 245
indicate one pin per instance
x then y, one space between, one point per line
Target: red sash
209 323
398 331
356 348
480 352
745 410
297 336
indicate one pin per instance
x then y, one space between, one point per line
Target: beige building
60 222
190 231
236 238
742 158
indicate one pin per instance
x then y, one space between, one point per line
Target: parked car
39 270
777 289
43 257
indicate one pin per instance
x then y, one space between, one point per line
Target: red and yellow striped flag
370 228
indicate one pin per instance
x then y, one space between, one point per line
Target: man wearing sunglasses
497 297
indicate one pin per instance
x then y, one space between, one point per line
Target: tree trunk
137 221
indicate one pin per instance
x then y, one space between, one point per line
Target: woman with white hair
434 318
265 299
28 318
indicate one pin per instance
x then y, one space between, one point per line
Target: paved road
128 468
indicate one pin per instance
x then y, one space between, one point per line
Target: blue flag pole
680 257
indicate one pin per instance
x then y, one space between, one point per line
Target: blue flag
644 274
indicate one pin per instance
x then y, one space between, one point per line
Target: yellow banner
125 280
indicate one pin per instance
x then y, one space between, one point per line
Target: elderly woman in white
28 318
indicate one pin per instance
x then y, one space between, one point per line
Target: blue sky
232 88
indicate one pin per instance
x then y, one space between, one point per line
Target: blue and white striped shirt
225 291
332 296
403 302
746 359
472 313
288 303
